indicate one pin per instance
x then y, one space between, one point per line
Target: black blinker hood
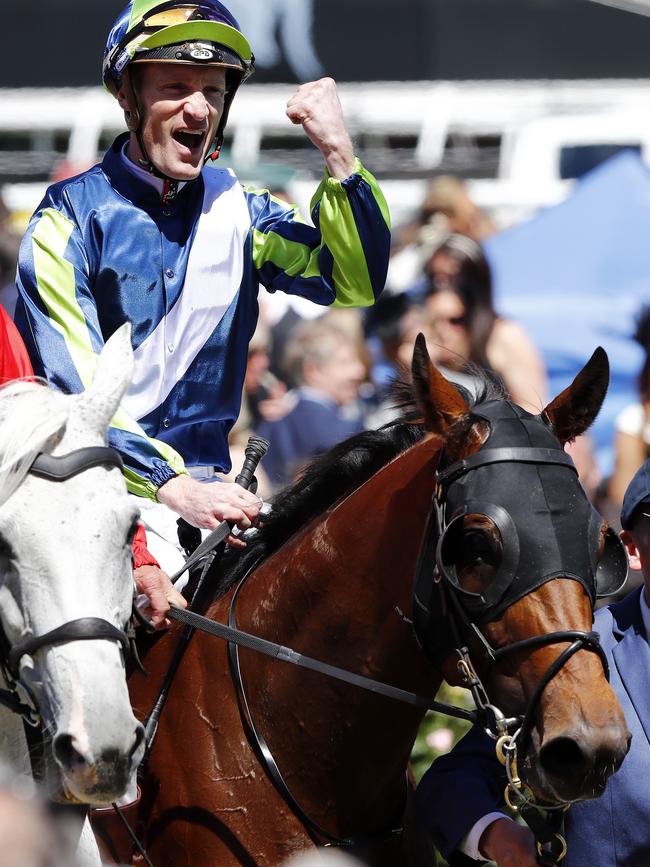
548 527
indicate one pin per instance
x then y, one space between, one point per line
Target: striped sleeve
342 259
58 320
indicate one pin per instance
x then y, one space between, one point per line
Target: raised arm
317 108
343 258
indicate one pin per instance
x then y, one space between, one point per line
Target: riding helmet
169 31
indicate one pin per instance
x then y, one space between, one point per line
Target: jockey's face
181 106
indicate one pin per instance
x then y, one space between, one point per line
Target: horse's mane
336 473
30 416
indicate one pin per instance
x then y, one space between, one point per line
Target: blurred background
511 139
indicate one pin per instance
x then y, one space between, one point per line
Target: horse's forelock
30 416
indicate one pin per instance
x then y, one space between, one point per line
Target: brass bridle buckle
518 795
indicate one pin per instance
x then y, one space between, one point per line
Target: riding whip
208 550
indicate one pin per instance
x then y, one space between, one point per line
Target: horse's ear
573 411
112 376
441 404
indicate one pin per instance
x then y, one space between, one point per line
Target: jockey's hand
316 106
207 505
155 584
508 844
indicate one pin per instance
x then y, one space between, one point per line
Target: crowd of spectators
316 375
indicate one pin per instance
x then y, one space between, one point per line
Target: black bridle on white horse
58 469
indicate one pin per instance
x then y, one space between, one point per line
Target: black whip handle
256 448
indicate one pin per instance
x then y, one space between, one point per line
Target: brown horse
334 580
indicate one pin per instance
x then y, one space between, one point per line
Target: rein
238 637
264 751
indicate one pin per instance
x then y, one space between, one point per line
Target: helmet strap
213 155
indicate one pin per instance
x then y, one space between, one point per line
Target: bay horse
66 589
331 575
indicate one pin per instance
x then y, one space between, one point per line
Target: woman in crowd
456 290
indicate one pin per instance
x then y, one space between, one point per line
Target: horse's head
65 556
521 554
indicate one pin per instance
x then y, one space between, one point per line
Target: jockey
159 236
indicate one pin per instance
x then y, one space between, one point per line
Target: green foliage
438 732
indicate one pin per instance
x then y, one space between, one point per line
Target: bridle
457 620
462 624
17 697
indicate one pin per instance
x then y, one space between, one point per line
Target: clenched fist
316 106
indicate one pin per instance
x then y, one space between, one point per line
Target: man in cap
459 797
155 236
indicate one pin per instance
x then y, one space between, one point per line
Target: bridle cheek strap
83 629
577 640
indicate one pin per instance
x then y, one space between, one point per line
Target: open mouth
193 141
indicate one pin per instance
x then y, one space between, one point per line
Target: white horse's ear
112 376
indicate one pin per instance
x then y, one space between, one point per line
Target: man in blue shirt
324 364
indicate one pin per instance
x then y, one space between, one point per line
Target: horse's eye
479 555
479 547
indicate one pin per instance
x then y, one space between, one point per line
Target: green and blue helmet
170 31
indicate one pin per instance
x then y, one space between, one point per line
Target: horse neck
340 590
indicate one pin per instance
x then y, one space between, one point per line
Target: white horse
65 555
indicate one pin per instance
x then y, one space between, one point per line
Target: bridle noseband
59 469
81 629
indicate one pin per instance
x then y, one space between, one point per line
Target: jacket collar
626 614
132 183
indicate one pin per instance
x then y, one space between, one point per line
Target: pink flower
441 740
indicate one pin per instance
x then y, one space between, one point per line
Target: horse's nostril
563 757
66 753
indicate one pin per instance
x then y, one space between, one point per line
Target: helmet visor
191 24
180 14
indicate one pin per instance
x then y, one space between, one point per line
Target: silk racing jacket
104 248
